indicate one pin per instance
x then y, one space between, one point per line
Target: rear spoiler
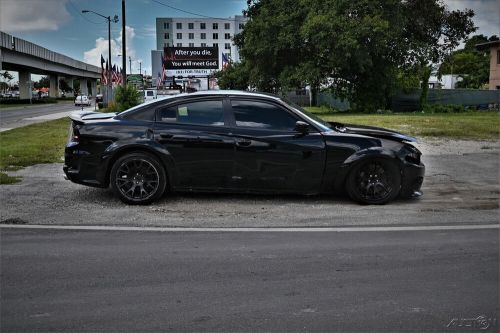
81 116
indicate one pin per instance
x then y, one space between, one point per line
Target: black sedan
232 141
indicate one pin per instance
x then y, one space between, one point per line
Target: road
21 116
115 281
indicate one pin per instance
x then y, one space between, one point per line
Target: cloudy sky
60 26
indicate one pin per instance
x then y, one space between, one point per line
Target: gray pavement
85 281
21 116
458 189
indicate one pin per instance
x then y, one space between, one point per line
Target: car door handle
243 143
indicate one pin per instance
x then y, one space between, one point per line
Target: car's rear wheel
138 178
375 181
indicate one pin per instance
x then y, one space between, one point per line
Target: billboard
190 58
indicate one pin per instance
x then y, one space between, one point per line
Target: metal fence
480 99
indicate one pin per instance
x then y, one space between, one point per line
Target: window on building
178 25
207 113
203 35
215 45
165 25
227 46
215 36
167 36
227 36
227 26
190 25
179 35
261 115
203 44
167 44
241 26
191 35
164 44
498 57
179 44
203 26
215 26
191 44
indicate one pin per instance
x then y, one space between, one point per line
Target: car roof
201 94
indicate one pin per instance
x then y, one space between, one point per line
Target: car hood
372 131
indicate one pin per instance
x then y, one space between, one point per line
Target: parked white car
82 100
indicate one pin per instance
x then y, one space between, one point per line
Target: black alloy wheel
376 181
138 178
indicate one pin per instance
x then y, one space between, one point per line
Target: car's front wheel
375 181
138 178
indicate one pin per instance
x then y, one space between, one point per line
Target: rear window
149 93
144 114
210 113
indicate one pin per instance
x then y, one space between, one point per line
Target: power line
188 12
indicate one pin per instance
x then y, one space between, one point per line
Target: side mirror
302 127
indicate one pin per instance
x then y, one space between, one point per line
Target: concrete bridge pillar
93 88
54 86
84 90
24 85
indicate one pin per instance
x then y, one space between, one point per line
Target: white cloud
93 56
32 15
487 14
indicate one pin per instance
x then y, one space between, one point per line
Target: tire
374 181
138 178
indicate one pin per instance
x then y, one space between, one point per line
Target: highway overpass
28 58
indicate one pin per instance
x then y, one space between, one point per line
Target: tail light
74 134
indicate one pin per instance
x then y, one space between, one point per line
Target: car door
194 134
270 155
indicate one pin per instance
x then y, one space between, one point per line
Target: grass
33 144
471 125
5 179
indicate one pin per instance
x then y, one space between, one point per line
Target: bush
125 98
444 108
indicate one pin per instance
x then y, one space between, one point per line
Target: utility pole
130 64
109 93
124 48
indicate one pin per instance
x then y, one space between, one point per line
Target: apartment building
199 32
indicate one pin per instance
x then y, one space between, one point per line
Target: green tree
64 86
472 64
356 47
235 76
126 97
44 82
7 76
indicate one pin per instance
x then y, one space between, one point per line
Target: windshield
307 113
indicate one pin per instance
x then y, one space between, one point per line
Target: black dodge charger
233 141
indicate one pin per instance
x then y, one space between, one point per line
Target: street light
108 18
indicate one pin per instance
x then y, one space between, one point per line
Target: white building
198 32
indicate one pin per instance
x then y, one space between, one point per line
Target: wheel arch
360 157
162 157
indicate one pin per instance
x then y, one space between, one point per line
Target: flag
225 61
114 74
103 72
159 83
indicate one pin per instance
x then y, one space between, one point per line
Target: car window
199 113
147 113
262 115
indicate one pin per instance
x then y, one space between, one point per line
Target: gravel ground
461 186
